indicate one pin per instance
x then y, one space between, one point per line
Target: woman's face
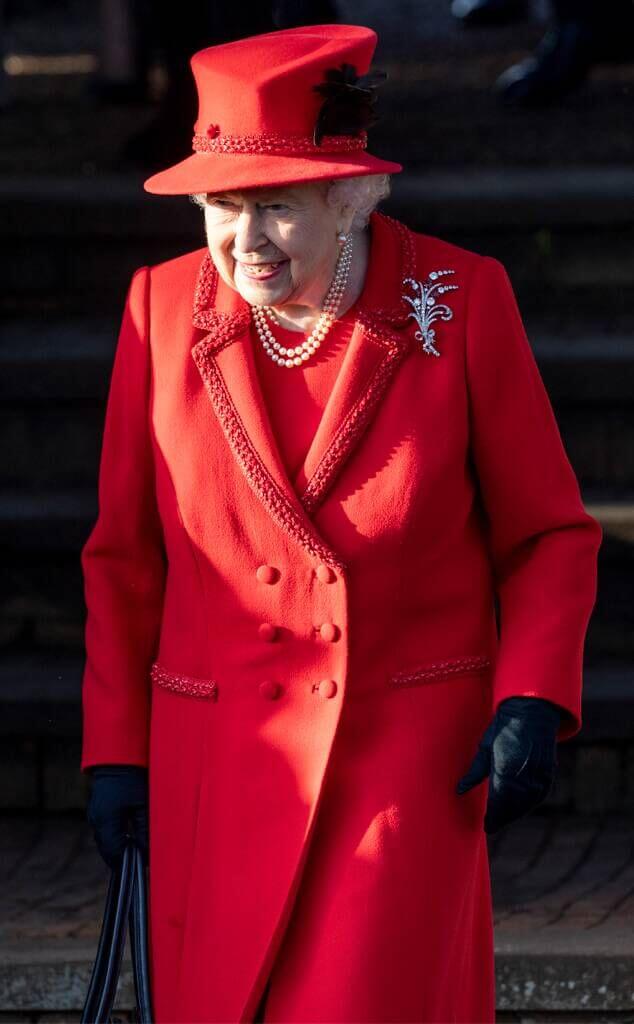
275 246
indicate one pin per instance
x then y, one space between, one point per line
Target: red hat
263 118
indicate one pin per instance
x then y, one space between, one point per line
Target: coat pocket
192 686
432 672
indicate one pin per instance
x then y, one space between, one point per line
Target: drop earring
342 237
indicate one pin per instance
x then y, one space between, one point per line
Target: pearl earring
342 237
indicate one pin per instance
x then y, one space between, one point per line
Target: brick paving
552 875
563 895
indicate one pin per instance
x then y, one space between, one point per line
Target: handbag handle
126 902
138 918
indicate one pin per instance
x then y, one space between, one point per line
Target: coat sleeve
123 560
543 544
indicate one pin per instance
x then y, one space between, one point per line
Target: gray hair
362 192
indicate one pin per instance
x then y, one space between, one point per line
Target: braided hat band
275 143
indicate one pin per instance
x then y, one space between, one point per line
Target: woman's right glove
118 808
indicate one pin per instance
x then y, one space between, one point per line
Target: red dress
296 397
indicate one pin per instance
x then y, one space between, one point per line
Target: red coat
307 666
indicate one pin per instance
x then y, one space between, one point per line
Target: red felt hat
262 121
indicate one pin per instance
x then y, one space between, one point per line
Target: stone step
47 521
53 387
61 359
511 198
562 896
561 890
565 234
70 358
40 730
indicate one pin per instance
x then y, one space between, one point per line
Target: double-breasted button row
271 690
327 631
269 574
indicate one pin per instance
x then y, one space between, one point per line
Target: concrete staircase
56 348
566 258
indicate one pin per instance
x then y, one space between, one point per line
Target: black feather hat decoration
348 108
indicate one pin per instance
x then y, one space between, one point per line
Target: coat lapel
225 360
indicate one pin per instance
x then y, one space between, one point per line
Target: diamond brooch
425 308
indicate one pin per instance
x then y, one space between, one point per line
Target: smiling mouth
260 269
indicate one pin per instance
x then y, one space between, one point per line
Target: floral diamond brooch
426 309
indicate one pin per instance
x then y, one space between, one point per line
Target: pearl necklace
301 353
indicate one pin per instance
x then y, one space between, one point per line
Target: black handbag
126 903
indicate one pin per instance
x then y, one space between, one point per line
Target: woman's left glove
518 750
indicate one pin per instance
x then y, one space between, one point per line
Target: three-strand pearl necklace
301 353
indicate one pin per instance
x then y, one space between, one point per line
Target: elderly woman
341 573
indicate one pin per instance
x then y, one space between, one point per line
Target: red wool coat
307 665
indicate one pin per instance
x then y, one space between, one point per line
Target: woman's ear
345 219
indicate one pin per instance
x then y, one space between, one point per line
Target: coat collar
226 363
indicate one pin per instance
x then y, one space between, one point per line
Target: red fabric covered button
266 573
327 688
270 690
324 573
267 631
328 632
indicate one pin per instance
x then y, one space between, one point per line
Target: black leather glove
118 808
518 750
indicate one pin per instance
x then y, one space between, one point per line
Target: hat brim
221 172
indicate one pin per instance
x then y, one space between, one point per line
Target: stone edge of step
37 980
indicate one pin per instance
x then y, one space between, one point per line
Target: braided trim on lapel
357 419
205 294
256 473
222 326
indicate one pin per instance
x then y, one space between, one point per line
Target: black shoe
560 64
565 55
489 12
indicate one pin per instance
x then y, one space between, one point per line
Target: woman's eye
223 204
277 206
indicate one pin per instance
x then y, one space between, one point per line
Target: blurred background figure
132 29
582 33
490 12
126 37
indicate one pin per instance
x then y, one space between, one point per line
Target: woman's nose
249 236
